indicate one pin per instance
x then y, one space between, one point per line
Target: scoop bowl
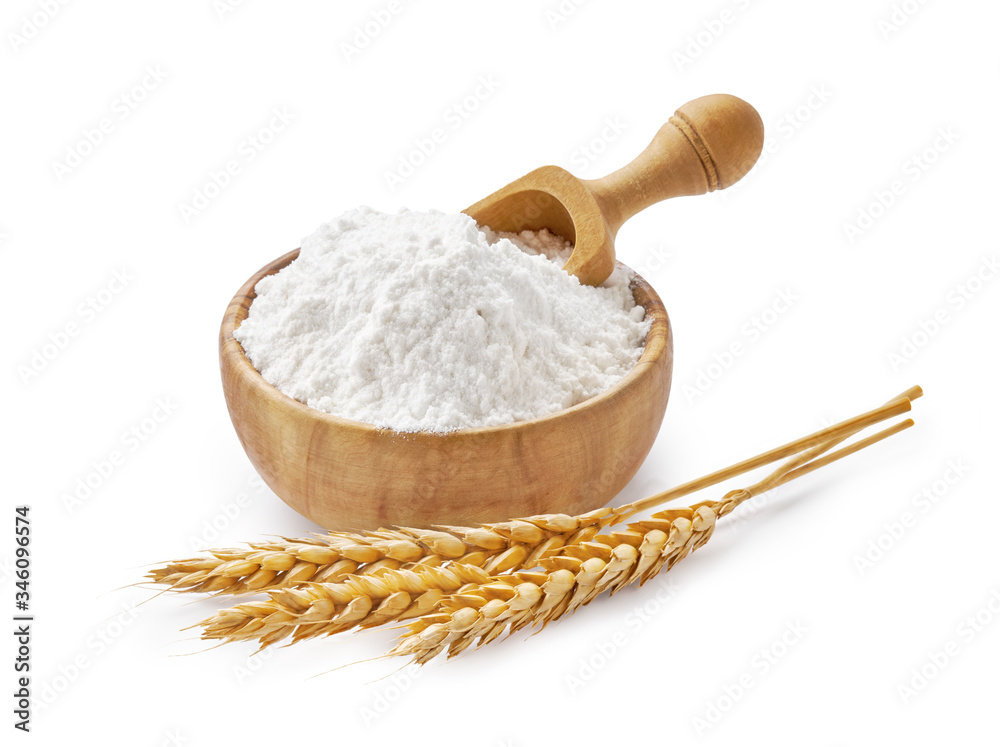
710 143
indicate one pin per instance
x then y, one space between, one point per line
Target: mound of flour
423 321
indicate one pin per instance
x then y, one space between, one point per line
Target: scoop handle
710 143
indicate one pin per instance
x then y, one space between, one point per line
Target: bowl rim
658 342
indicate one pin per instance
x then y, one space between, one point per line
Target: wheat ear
367 601
498 548
315 609
505 604
332 558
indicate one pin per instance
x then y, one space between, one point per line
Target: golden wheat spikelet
498 548
316 609
449 596
505 604
319 609
331 558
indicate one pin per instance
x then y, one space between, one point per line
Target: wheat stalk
498 548
316 609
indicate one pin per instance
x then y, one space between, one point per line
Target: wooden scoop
709 144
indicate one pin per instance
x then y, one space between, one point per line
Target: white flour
422 321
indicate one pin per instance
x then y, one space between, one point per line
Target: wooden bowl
343 474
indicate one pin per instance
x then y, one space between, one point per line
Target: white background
851 95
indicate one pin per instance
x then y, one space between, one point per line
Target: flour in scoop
425 321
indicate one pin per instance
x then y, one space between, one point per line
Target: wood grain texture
348 475
710 143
